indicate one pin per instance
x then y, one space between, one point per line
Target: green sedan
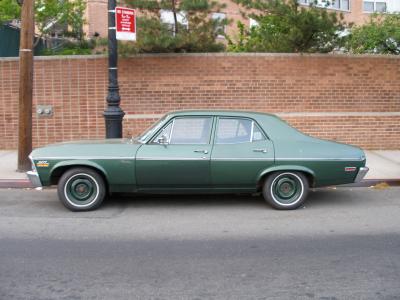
199 151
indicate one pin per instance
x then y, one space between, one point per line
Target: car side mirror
163 140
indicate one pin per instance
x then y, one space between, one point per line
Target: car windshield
151 130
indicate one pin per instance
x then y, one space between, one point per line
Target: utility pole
113 114
25 85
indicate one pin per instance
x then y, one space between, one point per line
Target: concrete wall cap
219 54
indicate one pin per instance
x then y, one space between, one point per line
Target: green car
199 151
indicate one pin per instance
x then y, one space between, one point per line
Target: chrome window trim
172 130
252 131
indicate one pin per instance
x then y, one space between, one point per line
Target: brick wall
352 99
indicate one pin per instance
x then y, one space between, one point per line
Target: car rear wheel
286 190
81 189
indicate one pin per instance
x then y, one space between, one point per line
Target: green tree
67 16
197 33
285 26
9 10
380 35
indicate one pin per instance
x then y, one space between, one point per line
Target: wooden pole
25 85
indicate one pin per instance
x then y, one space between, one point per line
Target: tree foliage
285 26
380 35
67 16
154 36
9 10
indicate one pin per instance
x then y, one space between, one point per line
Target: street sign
125 21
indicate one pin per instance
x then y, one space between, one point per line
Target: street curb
25 183
373 182
15 183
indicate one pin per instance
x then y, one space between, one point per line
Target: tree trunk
175 17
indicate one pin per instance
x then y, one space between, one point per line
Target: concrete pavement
383 164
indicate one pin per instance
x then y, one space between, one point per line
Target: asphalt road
344 244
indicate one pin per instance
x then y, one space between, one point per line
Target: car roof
220 112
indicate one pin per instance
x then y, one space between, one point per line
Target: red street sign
125 22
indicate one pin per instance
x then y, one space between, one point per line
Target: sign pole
25 86
113 114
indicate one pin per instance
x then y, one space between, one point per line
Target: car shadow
187 200
317 198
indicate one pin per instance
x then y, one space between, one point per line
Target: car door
178 156
240 153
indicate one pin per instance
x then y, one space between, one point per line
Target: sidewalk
384 165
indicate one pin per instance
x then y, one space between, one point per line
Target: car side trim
83 157
171 158
319 159
188 158
243 158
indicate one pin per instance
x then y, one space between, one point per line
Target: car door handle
201 151
260 150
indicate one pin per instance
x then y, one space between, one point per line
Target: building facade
357 11
354 11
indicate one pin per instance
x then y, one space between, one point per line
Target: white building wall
393 6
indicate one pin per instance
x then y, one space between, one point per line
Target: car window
233 131
151 130
258 135
191 130
165 132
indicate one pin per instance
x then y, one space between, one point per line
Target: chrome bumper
34 178
361 173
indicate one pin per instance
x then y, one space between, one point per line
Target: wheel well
309 177
58 172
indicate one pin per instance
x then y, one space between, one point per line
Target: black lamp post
113 114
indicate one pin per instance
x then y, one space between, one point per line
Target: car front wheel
81 189
286 190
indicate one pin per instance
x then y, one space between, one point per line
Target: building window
346 4
374 6
380 6
334 4
220 28
167 17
